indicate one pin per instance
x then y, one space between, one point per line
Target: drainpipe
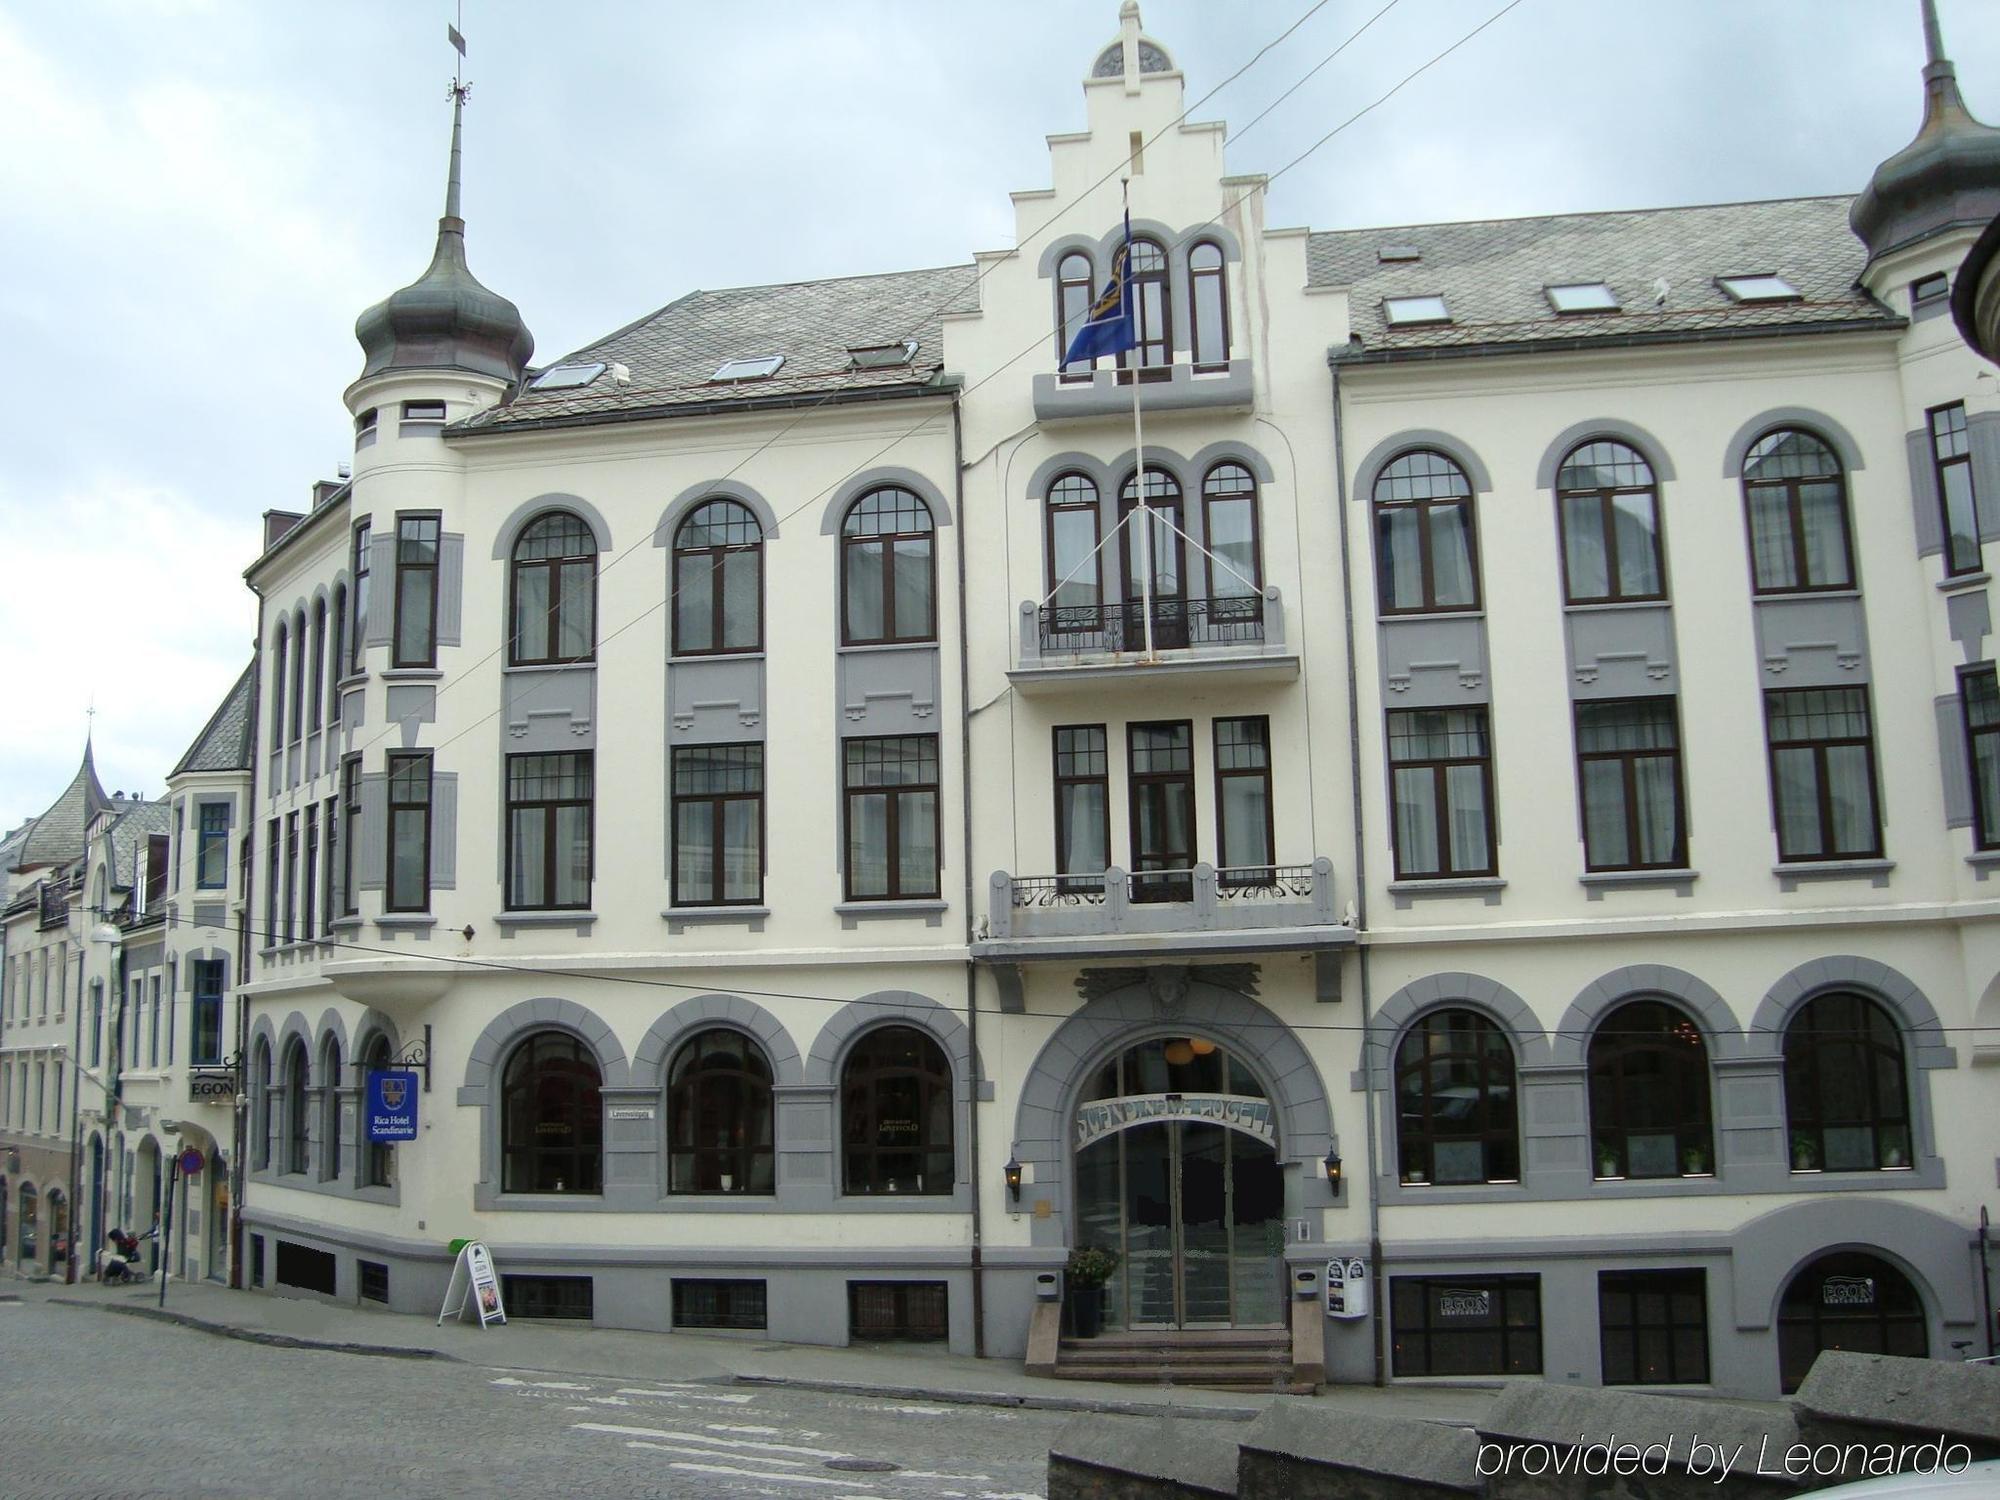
240 1105
965 859
1986 1285
75 1112
1375 1326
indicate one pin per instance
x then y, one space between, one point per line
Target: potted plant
1694 1161
1607 1160
1090 1267
1805 1152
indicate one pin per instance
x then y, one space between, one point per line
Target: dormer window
881 356
566 377
1414 312
1581 297
1763 287
761 367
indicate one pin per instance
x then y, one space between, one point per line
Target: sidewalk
902 1371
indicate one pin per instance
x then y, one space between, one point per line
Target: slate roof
58 834
673 354
127 833
1492 273
224 742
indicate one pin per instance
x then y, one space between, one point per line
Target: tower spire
1942 100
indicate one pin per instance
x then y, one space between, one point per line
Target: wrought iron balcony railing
1228 633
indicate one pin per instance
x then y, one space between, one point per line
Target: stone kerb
1880 1398
1298 1450
1143 1458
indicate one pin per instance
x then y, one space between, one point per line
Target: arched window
1208 307
1076 566
1846 1103
336 656
1455 1100
718 580
1153 320
1230 528
317 687
1848 1300
260 1094
1073 294
719 1126
277 685
896 1115
553 589
888 576
298 674
1609 505
377 1157
296 1132
329 1109
1649 1094
1168 522
1796 498
1426 551
551 1117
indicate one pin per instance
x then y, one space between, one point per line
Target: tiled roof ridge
1587 213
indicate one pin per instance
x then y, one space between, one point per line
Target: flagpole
1144 512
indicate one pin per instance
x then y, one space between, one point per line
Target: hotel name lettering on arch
1103 1117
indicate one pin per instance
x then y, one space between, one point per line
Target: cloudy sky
198 196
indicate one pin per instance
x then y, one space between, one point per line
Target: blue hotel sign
392 1105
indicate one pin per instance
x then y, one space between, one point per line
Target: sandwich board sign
473 1281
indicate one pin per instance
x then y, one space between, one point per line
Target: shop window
896 1115
1466 1325
1457 1121
719 1304
720 1129
1847 1103
913 1311
551 1117
1851 1301
1653 1327
1649 1094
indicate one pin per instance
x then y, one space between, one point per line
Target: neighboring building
1507 800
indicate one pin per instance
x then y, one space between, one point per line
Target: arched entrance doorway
1177 1172
58 1235
1848 1300
26 1249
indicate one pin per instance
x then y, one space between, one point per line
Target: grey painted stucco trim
529 510
535 1015
1095 469
1817 422
1929 1248
1571 1042
1451 991
1409 440
1053 253
886 1008
706 1012
1905 1002
1184 389
714 489
1616 429
860 484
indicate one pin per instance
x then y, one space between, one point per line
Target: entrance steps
1221 1359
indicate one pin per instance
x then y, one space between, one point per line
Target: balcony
54 904
1161 913
1241 637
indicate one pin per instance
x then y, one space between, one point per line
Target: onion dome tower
446 319
1947 178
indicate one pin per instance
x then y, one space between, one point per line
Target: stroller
116 1262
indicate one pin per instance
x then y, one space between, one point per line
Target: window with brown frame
553 587
1160 530
416 591
329 819
1073 298
1649 1094
1456 1115
350 812
309 877
551 1117
549 816
720 1133
1466 1325
377 1157
298 674
1609 505
888 570
408 879
290 929
279 643
317 707
1152 316
1208 306
298 1150
1083 806
1244 836
896 1115
1160 777
1231 526
1652 1327
336 655
718 580
718 820
1823 773
1796 500
273 862
1847 1097
1628 764
1076 565
1979 699
1426 547
1441 778
891 816
359 642
1951 453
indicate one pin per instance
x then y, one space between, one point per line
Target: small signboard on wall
473 1281
392 1105
1347 1288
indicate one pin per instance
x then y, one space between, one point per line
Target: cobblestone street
98 1405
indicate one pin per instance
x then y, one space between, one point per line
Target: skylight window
565 377
763 367
1760 288
1393 254
1582 297
1408 312
882 356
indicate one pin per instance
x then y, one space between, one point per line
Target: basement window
1411 312
762 367
882 356
1763 287
566 377
1582 297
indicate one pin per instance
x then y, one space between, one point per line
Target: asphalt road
97 1404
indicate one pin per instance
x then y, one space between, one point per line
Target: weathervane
460 90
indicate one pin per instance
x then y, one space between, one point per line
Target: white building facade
1505 799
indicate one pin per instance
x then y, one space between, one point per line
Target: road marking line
933 1474
541 1385
777 1478
698 1437
741 1427
748 1458
917 1411
685 1393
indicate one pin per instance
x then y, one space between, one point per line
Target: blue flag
1109 325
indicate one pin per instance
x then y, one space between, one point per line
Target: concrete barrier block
1143 1458
1301 1450
1880 1398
